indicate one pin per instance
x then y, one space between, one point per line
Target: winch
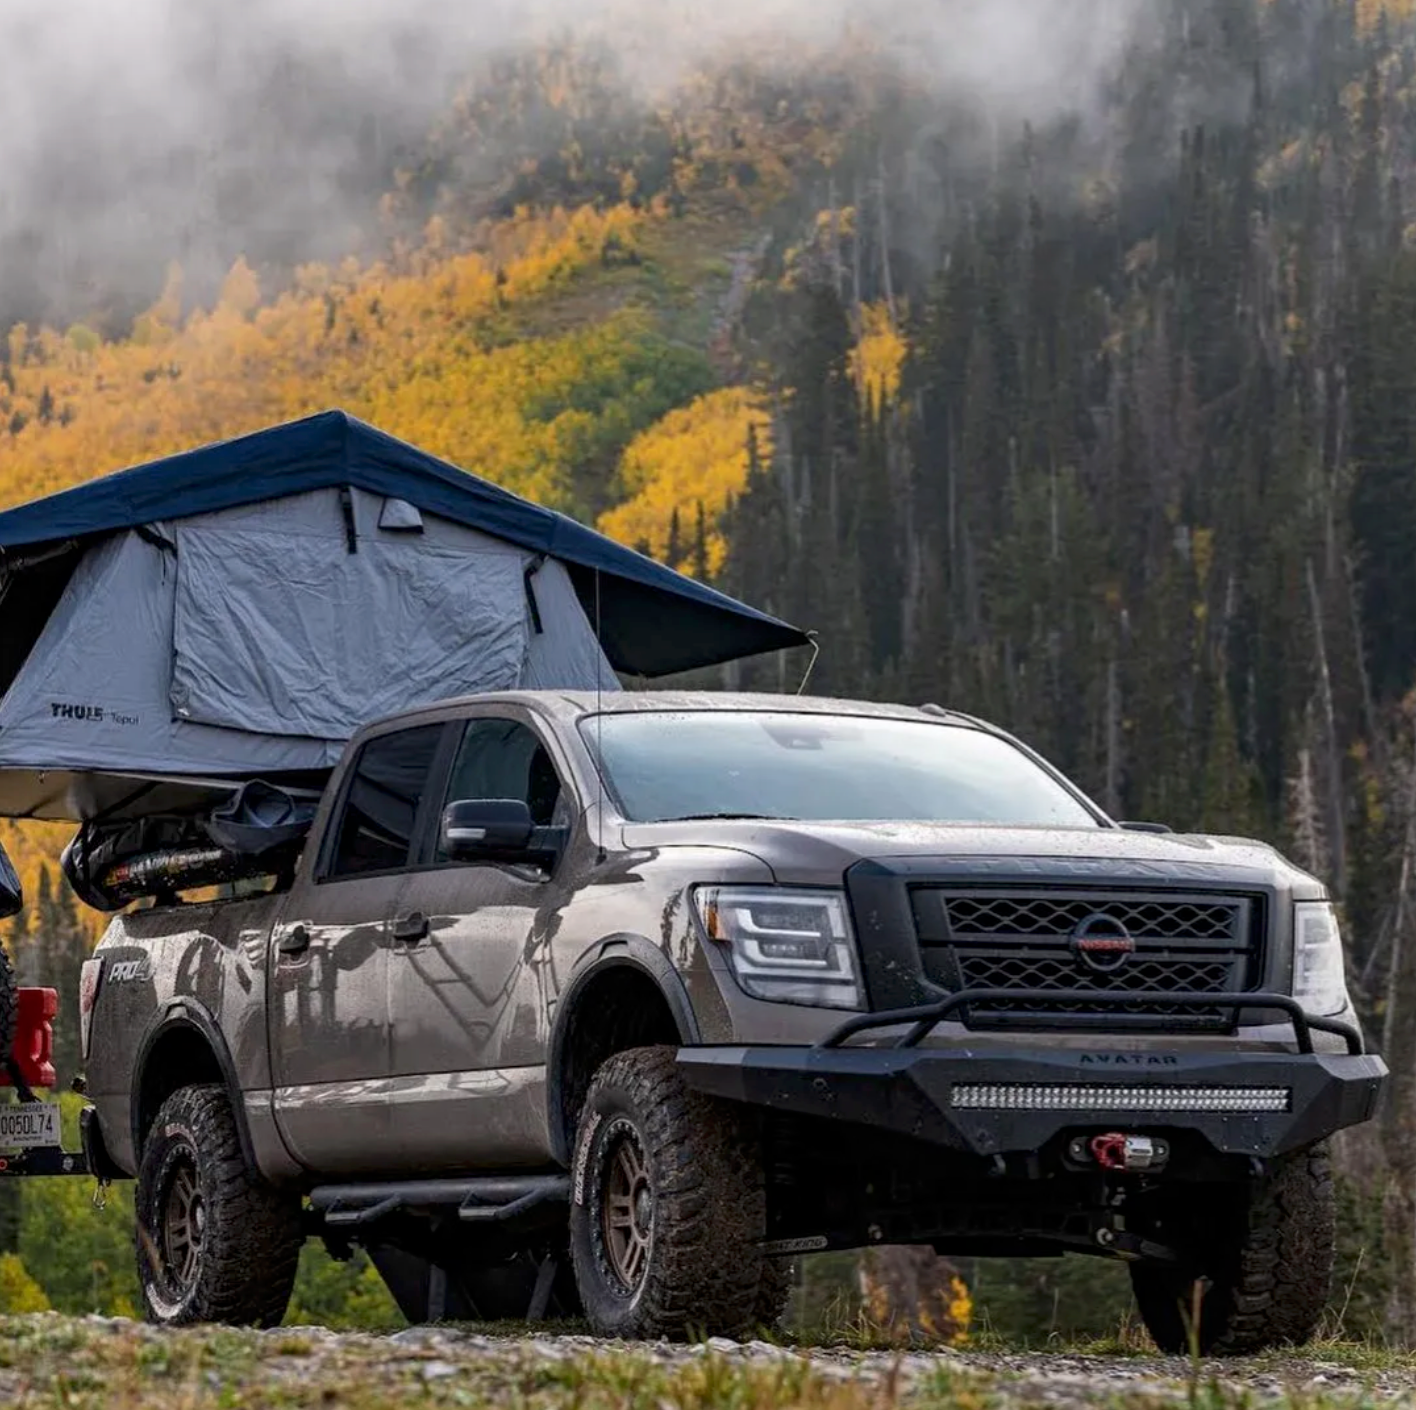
1116 1150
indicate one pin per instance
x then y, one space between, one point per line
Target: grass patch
1366 1355
52 1363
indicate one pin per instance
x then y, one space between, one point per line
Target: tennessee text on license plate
25 1125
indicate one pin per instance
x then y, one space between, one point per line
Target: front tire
215 1242
668 1208
1264 1278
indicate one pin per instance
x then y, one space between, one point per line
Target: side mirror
1146 827
487 829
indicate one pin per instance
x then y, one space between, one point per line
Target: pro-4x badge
128 971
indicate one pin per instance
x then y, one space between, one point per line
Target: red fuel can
35 1010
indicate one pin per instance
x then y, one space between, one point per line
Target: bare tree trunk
1376 742
952 495
1398 1116
886 272
1054 521
838 270
1337 823
856 276
913 1295
1112 799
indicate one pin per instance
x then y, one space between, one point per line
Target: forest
1102 427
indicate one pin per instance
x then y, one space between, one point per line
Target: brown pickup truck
612 1007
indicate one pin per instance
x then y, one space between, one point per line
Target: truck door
469 972
328 1008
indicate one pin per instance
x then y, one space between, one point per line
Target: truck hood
804 853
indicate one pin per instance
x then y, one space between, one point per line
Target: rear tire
1264 1283
669 1206
774 1294
215 1242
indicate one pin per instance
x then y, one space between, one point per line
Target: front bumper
910 1092
994 1101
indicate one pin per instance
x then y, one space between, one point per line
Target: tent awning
652 621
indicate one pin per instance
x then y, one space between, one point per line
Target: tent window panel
380 811
287 634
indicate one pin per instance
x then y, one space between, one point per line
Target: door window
506 759
375 830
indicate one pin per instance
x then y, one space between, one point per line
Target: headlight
790 947
1319 976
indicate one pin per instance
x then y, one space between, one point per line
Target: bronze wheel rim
183 1226
627 1213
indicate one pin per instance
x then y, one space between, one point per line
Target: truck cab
614 1004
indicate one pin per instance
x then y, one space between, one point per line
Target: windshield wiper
729 817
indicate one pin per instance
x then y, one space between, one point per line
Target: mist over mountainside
136 134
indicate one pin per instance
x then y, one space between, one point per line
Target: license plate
25 1125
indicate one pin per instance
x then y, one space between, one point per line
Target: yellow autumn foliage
413 350
878 360
19 1293
241 290
695 455
913 1295
1370 12
435 351
30 845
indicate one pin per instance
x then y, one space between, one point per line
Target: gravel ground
80 1362
1043 1378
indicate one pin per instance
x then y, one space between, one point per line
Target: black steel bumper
996 1100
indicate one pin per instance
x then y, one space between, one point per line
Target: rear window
663 766
375 831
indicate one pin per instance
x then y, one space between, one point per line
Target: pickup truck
613 1006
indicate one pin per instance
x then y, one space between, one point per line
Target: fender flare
194 1017
613 952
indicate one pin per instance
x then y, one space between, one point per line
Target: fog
136 132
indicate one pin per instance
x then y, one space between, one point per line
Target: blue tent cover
652 620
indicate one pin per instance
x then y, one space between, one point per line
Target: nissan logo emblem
1102 944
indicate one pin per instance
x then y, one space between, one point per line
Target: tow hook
1117 1151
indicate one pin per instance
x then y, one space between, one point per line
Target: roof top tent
237 612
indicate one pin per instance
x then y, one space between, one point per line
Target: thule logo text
63 710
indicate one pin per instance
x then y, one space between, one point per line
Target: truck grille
1025 939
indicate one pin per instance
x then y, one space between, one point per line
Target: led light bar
1019 1097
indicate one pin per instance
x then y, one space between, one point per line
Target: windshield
663 766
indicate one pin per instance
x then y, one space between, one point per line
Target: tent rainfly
240 610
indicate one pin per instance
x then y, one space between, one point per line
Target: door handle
411 929
295 941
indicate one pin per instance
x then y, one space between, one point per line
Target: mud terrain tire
774 1293
8 1007
215 1243
1265 1283
668 1206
